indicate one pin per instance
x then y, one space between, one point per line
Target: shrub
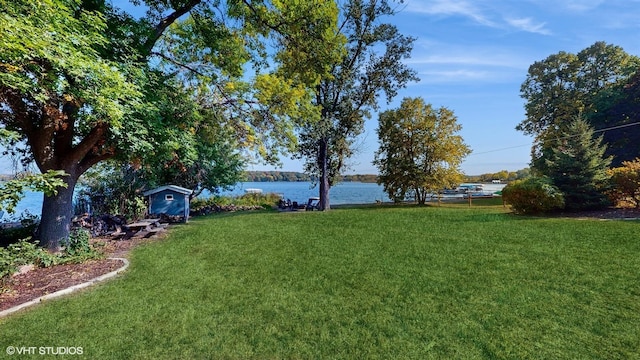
114 190
77 249
223 203
21 253
625 184
533 195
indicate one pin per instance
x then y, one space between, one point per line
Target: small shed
170 200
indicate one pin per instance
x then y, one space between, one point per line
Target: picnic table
145 227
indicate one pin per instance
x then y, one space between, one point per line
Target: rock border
68 290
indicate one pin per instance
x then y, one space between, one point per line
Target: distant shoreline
293 176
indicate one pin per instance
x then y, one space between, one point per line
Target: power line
617 127
497 150
556 139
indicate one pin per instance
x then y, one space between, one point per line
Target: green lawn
362 283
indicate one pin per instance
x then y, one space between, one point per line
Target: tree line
270 176
504 176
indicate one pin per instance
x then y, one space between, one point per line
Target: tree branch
164 24
179 64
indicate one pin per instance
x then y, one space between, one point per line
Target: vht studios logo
44 350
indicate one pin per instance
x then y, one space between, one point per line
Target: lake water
31 202
343 193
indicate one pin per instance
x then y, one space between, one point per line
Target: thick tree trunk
324 176
53 147
57 213
420 197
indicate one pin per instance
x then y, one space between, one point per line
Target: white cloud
582 5
455 76
464 75
469 59
427 52
571 5
471 9
450 8
528 25
439 62
460 74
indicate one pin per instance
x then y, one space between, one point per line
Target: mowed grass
362 283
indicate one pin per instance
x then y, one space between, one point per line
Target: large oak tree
68 104
77 78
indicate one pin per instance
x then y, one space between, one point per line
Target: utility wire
556 139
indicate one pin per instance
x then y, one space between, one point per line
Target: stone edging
68 290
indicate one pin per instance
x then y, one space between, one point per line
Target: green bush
625 184
77 249
266 201
533 195
21 253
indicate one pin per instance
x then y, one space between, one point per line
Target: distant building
496 181
169 200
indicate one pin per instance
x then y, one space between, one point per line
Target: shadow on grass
225 214
492 203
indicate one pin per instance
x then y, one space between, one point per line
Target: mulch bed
42 281
37 282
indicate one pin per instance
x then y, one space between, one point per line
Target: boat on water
253 191
471 187
464 189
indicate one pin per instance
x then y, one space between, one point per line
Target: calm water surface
343 193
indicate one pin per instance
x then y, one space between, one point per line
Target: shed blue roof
175 188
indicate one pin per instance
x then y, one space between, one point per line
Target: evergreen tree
578 167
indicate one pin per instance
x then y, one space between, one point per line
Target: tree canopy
68 105
565 85
420 152
619 111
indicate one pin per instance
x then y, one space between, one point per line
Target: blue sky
473 55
